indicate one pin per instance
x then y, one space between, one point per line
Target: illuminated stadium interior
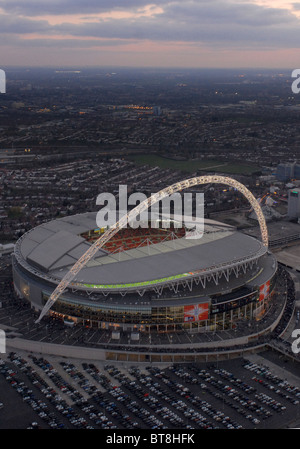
130 238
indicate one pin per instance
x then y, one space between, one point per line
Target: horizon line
78 67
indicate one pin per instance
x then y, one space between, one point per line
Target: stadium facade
147 280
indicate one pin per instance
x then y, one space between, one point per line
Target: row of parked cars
182 396
274 383
147 393
218 418
101 405
39 406
244 405
192 411
114 400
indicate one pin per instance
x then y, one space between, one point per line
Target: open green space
190 166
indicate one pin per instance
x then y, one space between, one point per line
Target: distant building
294 203
297 171
285 172
156 110
6 249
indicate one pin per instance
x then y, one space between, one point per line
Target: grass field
191 166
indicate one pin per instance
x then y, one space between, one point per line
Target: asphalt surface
125 397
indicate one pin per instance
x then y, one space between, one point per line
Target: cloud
228 12
214 23
62 42
59 7
217 22
21 25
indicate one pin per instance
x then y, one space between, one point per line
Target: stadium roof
55 246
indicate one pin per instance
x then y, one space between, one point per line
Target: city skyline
165 33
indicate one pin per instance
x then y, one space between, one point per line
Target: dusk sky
149 33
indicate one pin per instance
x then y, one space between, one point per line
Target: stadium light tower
107 235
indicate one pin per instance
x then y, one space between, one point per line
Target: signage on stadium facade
196 312
264 291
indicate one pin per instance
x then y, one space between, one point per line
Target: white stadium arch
107 235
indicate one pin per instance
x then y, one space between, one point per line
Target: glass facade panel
221 315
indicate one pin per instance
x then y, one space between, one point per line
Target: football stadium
147 279
159 290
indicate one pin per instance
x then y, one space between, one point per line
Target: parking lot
49 392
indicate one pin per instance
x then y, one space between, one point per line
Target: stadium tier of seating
130 238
